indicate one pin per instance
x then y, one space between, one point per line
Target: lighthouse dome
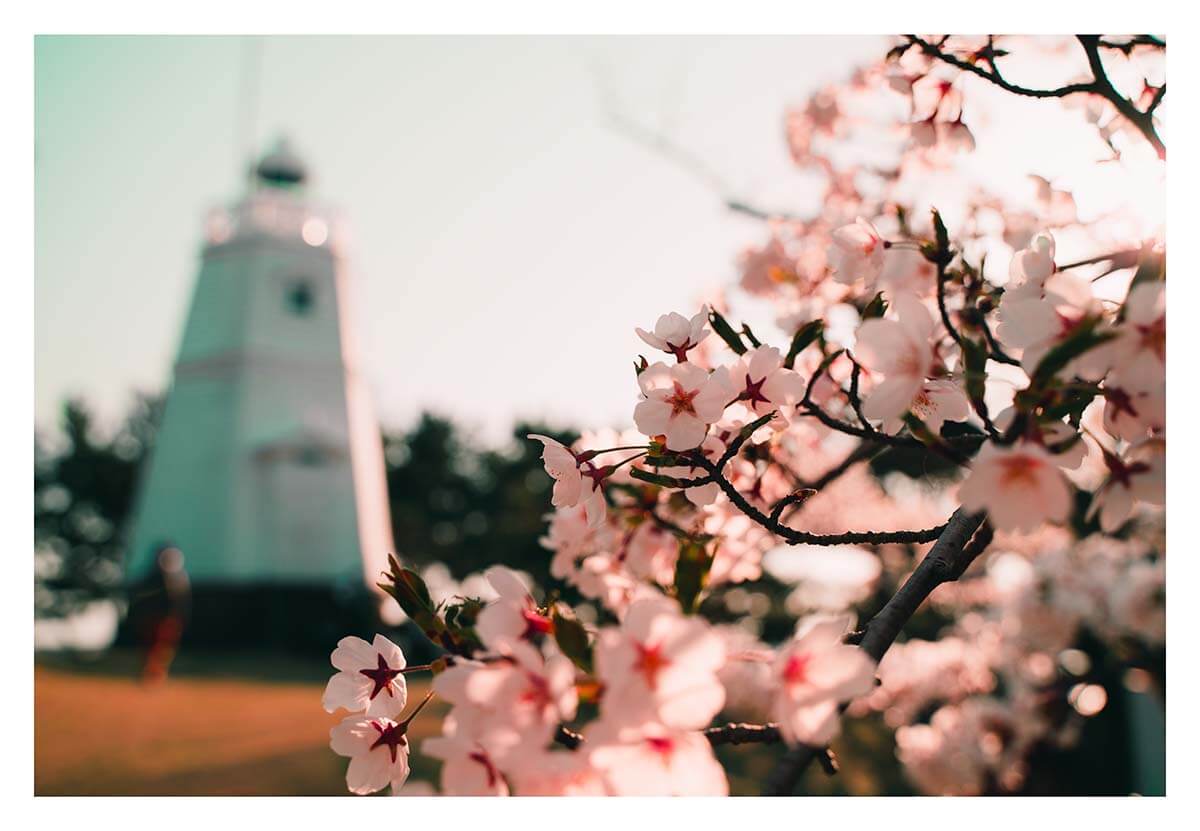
281 167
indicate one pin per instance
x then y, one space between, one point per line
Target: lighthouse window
300 298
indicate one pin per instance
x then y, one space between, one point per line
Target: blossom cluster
1029 387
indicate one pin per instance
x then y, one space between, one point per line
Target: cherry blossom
899 349
378 750
763 384
513 616
680 402
557 773
653 760
815 673
575 483
1134 405
676 335
1140 349
469 764
660 665
1020 487
1140 475
1031 267
857 253
370 678
1034 321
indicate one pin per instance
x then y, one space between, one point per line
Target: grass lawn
218 725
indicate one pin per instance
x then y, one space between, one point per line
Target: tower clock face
300 298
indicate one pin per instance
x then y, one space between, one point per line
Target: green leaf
748 430
975 372
572 638
410 591
875 308
942 238
725 331
804 336
656 478
691 573
755 342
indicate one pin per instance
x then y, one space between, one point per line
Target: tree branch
733 733
794 537
950 556
1099 85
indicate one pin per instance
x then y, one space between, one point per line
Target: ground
218 725
246 724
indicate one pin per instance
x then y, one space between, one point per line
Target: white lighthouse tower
268 466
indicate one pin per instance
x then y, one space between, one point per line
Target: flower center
1019 469
753 391
795 671
1154 338
663 745
535 624
650 662
391 736
382 675
479 757
681 400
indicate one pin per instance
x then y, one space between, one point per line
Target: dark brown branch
995 77
794 537
734 733
950 556
743 734
1116 260
1099 85
1144 121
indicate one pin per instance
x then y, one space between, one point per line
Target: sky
505 238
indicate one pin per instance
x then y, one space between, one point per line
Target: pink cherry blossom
856 253
900 350
676 335
1019 486
1031 267
651 553
1034 321
378 751
513 616
763 384
680 402
956 136
660 665
1140 475
1134 404
654 760
814 674
1140 349
557 773
369 678
575 483
470 765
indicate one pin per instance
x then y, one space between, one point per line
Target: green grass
227 725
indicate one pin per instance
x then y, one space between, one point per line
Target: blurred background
298 301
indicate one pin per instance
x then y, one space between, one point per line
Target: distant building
268 469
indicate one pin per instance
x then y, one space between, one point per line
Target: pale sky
505 240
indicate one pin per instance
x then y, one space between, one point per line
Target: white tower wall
268 466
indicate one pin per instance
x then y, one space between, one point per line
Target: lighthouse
267 471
